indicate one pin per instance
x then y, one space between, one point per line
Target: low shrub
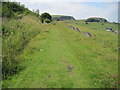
47 20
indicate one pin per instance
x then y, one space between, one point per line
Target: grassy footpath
59 57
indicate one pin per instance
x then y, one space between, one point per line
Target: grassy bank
60 57
58 54
16 34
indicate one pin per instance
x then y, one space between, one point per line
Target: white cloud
66 0
80 10
77 9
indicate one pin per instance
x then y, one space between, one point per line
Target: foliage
16 34
6 12
86 22
41 19
47 20
57 20
45 16
9 9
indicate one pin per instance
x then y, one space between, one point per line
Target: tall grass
16 35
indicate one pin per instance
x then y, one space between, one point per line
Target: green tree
45 16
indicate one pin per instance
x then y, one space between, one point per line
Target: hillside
62 17
65 54
64 58
16 34
96 19
14 9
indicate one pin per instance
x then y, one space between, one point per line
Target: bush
45 16
47 20
86 22
57 20
9 9
6 12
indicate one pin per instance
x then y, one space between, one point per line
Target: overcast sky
79 9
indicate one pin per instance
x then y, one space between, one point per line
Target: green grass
18 32
95 25
48 57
